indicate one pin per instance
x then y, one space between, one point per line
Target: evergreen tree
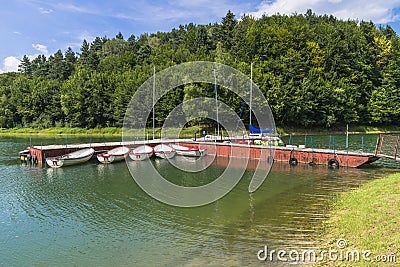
25 66
313 70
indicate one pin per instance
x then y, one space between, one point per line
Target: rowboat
73 158
187 151
114 155
25 154
164 151
141 152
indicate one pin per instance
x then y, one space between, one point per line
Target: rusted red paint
320 156
42 154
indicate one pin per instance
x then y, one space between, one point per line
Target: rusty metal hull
305 155
302 155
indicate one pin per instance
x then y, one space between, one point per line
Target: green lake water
96 215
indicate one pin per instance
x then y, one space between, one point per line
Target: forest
314 70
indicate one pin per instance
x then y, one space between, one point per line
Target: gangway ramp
387 146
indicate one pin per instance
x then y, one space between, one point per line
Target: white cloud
177 11
378 11
40 48
10 64
45 11
74 8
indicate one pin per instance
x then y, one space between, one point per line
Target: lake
96 215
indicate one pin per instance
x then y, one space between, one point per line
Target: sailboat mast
216 100
251 93
154 89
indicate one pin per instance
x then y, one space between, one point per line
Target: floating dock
292 155
40 153
295 155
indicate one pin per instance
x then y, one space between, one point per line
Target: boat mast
347 138
216 100
251 93
154 89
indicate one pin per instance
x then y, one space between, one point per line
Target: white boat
141 152
72 158
187 151
114 155
164 151
25 155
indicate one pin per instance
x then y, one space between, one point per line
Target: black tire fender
293 161
270 160
333 163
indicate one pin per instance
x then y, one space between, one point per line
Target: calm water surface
96 215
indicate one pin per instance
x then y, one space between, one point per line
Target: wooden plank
303 155
396 148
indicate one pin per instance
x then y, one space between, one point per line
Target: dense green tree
57 67
313 70
70 60
40 66
25 66
226 30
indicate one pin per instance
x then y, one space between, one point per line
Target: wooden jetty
40 153
387 146
292 155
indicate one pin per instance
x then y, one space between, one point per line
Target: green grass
61 130
188 132
286 130
368 218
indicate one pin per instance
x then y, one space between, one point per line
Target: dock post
312 149
362 143
396 148
347 139
334 147
42 154
378 147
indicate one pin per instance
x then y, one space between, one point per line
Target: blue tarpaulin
257 130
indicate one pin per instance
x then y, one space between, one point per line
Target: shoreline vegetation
314 71
367 218
190 131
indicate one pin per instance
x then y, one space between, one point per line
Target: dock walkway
289 154
41 152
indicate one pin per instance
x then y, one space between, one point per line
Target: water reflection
95 214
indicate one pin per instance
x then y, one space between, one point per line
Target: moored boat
25 154
141 152
114 155
187 151
164 151
72 158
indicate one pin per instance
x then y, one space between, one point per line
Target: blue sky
33 27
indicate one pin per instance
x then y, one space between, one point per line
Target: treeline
314 71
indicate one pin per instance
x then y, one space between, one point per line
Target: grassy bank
189 132
368 218
61 131
110 131
354 129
